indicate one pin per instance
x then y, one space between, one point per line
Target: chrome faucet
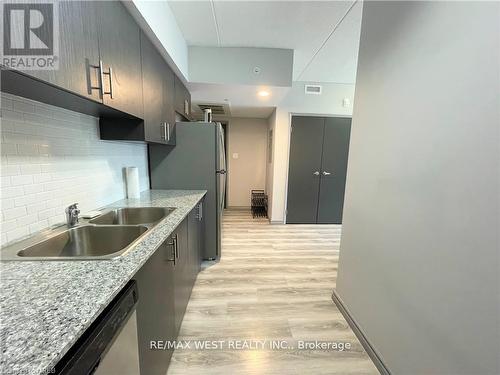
72 215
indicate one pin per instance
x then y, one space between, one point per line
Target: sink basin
84 242
132 216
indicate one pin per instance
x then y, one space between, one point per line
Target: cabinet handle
110 72
102 73
98 68
200 211
316 173
171 246
163 134
326 173
167 129
176 246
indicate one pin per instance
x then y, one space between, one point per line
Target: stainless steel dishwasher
109 346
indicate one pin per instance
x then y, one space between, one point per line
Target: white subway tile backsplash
21 180
6 204
5 181
11 192
30 169
35 208
9 170
27 150
13 213
51 158
8 225
36 227
33 189
9 149
15 234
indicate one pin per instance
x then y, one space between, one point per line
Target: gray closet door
304 170
333 170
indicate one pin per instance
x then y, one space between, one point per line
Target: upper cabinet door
154 120
182 99
78 50
120 53
168 103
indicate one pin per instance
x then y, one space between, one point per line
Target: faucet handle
72 212
72 207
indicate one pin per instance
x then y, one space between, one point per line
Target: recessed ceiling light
263 93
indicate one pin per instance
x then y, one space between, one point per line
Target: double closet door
319 148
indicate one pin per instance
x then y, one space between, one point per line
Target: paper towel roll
132 181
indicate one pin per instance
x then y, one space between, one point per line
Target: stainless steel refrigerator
197 161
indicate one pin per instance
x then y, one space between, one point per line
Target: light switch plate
236 155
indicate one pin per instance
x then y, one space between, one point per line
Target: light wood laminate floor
274 282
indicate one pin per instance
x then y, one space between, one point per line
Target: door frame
290 116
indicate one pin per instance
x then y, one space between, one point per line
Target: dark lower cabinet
155 310
182 292
165 283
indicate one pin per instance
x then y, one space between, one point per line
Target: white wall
158 22
248 138
297 102
51 158
419 256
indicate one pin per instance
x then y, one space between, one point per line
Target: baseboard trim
372 353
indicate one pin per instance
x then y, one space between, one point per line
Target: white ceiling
323 34
303 26
241 99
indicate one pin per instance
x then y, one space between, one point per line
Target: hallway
274 282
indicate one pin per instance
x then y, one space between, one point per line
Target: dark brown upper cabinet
168 110
99 55
108 69
182 99
158 91
120 56
78 51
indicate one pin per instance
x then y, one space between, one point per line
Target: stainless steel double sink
107 236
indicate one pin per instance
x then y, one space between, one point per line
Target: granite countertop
47 305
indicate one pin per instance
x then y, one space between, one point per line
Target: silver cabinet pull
316 173
176 246
98 68
102 73
167 132
326 173
110 73
200 212
171 246
164 132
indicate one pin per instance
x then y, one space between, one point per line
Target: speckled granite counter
47 305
